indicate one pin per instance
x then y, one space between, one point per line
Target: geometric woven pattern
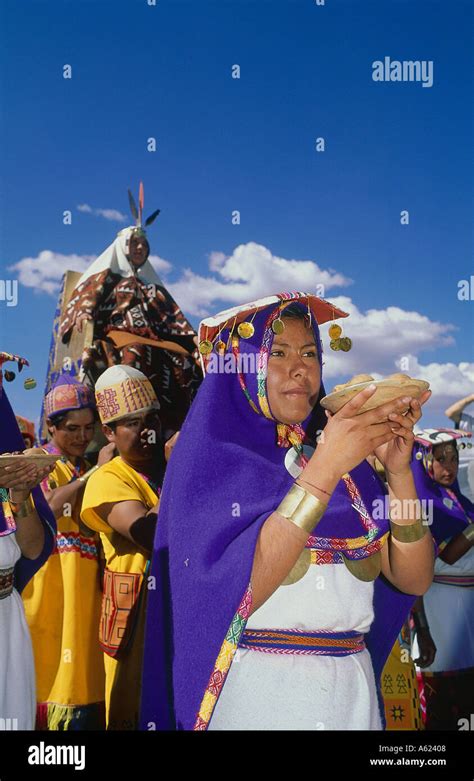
70 542
119 602
297 642
223 662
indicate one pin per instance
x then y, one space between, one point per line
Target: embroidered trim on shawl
223 662
325 548
71 542
321 556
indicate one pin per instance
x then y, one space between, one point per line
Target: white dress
268 691
17 672
450 615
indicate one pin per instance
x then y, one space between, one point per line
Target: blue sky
164 71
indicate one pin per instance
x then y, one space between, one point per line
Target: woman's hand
349 437
22 476
395 455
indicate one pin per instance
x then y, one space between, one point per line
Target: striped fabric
293 641
454 580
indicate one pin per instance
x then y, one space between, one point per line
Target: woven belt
7 579
293 641
467 581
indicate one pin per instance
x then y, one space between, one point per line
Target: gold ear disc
278 326
245 330
205 347
335 344
346 343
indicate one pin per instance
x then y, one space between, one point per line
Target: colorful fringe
54 717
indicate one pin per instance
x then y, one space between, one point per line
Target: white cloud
387 341
251 272
112 214
108 214
381 337
448 381
46 270
160 265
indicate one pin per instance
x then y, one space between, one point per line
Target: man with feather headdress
133 315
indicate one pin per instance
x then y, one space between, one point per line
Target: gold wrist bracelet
469 532
23 509
84 478
410 532
301 508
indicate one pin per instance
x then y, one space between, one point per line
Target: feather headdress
137 214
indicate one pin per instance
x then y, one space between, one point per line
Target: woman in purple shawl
263 613
444 617
27 529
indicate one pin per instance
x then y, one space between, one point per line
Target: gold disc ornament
334 331
346 343
335 344
219 347
366 569
245 330
205 347
299 569
278 326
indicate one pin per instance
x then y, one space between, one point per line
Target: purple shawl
451 509
10 440
225 477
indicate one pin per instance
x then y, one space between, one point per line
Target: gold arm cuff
410 532
88 474
23 509
469 532
301 508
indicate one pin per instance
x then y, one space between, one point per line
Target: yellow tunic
62 607
116 482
